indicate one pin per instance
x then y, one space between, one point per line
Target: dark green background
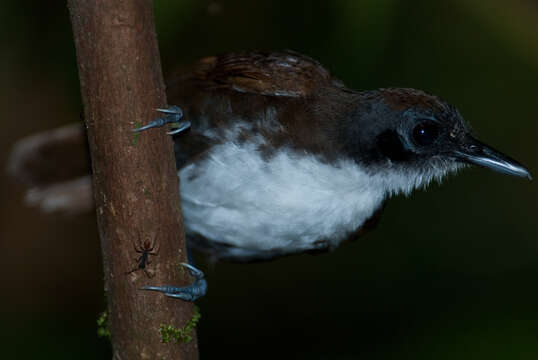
450 273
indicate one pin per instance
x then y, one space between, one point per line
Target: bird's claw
173 114
188 293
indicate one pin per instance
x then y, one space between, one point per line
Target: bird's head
411 137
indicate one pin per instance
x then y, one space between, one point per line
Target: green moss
171 333
136 135
102 325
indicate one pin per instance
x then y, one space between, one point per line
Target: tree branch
135 182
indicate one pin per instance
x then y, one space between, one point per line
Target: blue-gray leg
172 115
188 293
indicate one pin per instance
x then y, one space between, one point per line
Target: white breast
287 203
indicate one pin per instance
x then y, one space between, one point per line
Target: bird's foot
188 293
173 114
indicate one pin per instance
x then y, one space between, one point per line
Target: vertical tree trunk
135 181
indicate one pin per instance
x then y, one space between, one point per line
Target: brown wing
287 97
264 73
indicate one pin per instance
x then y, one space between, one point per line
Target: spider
145 249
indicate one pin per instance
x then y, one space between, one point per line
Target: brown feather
261 88
264 73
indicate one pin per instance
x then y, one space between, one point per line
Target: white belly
285 204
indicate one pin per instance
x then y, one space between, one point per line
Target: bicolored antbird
281 158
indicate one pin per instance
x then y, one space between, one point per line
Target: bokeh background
449 273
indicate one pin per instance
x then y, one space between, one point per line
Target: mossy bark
135 182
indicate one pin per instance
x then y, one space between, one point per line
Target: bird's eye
425 133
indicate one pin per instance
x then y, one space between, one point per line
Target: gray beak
475 152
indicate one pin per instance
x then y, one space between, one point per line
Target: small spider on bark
146 249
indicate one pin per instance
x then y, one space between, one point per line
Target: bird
278 157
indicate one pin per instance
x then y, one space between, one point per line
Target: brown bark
134 178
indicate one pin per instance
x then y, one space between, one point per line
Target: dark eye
425 133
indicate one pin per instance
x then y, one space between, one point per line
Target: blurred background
449 273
